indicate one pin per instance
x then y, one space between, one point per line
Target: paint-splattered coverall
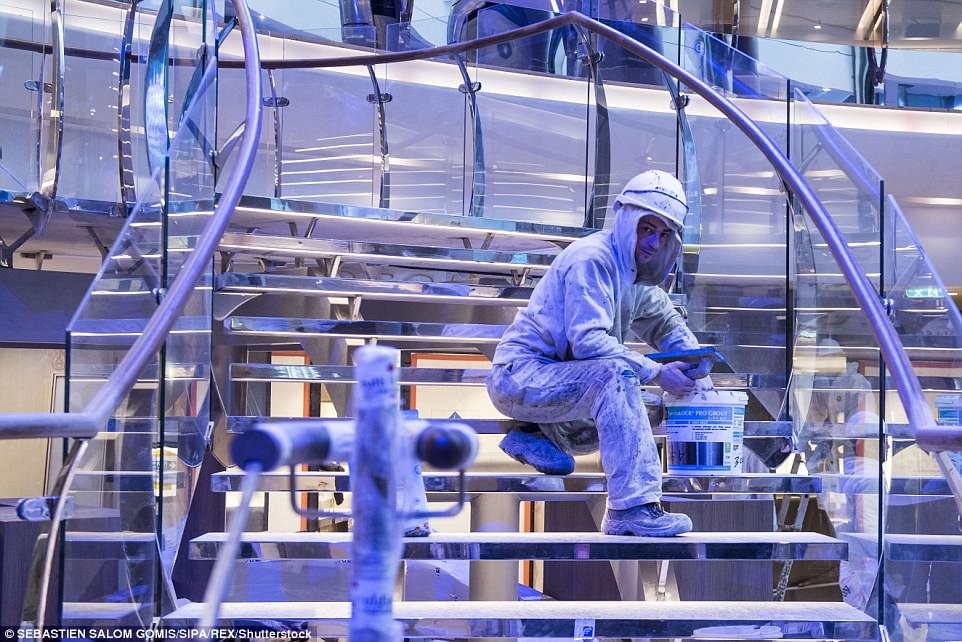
562 363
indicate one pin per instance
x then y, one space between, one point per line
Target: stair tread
398 253
937 613
497 426
865 484
384 330
375 290
800 620
440 376
533 484
537 546
910 547
366 222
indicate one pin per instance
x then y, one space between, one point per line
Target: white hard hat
659 193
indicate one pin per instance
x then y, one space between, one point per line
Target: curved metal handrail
85 425
929 436
155 88
50 174
125 146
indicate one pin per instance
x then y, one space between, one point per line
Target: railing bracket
472 88
379 99
39 509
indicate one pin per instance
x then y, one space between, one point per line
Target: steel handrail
929 436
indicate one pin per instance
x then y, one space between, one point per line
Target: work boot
418 530
534 449
649 520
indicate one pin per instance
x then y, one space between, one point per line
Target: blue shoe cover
534 449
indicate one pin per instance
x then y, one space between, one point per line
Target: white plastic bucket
705 432
949 408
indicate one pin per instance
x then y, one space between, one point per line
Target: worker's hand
701 370
704 384
672 379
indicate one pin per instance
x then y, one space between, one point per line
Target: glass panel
429 133
835 389
91 100
321 120
535 146
134 490
23 31
922 591
735 265
642 125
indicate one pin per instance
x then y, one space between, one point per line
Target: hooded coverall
563 364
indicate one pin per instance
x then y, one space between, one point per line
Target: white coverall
562 363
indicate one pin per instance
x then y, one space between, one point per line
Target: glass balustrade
135 485
922 587
23 98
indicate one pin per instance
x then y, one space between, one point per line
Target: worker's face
653 235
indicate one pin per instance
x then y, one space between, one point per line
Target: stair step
238 424
915 548
531 486
99 373
943 622
125 481
541 619
125 330
388 225
443 258
457 333
375 290
866 484
105 614
538 546
266 372
124 545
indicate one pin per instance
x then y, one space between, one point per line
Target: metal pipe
909 389
376 546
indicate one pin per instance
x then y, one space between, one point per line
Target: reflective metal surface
535 485
542 546
797 620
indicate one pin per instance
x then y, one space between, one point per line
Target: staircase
814 540
462 312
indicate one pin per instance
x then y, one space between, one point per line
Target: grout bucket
949 408
705 432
